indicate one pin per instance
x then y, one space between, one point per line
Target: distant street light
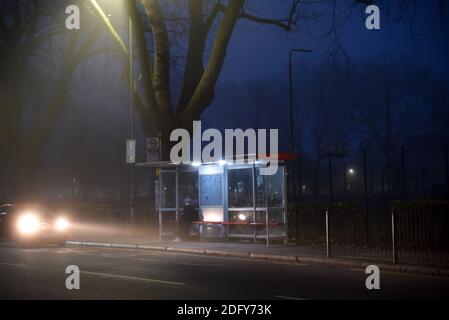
350 172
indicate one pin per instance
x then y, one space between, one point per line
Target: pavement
120 273
278 253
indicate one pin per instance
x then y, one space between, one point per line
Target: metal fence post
393 237
328 243
161 221
365 198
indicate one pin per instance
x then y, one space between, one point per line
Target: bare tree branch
161 72
194 68
284 24
143 104
204 92
213 15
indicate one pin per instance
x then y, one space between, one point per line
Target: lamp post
292 122
131 143
292 136
131 120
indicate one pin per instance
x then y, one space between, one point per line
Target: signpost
130 151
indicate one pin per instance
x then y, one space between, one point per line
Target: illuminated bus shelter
235 201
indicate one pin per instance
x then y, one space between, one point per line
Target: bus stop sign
153 149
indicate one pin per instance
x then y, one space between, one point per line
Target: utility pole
365 194
131 119
292 136
292 118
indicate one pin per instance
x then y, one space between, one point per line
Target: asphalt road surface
39 273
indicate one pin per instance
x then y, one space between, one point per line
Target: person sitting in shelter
189 215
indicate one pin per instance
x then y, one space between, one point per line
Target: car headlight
61 224
28 223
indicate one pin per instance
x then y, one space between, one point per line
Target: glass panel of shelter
172 193
249 208
166 202
276 204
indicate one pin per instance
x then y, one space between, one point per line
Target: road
107 273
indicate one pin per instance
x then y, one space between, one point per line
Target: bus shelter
235 201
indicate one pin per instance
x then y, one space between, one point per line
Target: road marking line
117 276
289 298
14 265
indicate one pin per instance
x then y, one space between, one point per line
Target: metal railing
399 233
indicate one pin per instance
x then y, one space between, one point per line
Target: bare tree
199 31
35 45
391 105
205 22
327 122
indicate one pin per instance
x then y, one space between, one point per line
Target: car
30 224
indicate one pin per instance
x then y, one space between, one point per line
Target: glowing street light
128 51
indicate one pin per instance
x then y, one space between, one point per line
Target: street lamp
292 133
131 143
131 113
